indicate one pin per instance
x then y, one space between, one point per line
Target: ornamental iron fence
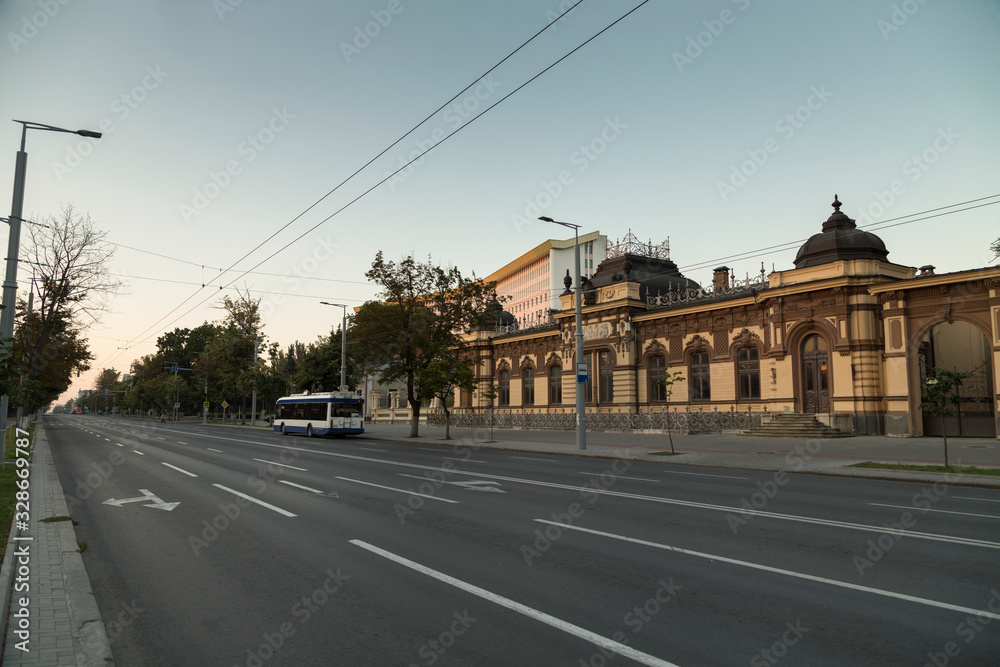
680 421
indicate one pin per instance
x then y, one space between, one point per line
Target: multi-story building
530 285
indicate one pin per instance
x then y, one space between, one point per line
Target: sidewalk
64 626
730 450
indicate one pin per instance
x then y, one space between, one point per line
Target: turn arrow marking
146 496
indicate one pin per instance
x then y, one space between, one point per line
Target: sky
724 126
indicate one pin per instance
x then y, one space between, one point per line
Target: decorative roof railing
631 245
732 288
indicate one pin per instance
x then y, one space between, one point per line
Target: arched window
504 382
528 386
555 385
748 369
605 370
657 371
699 377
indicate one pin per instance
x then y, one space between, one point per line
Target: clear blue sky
849 98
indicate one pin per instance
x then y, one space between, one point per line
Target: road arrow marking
146 496
470 485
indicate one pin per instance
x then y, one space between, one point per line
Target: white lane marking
927 509
468 485
778 570
457 458
119 444
214 450
299 486
620 494
108 439
96 435
283 465
138 452
988 500
702 474
534 458
254 500
407 492
371 449
189 474
181 443
431 449
534 614
159 438
641 479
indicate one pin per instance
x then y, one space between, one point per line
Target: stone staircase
795 425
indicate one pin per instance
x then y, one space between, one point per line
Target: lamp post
13 245
204 409
581 414
343 344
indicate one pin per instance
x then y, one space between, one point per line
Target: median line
406 491
254 500
283 465
299 486
189 474
778 570
615 647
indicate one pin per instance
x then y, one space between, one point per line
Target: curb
90 638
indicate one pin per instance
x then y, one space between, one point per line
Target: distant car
78 411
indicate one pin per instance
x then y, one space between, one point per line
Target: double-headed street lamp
343 344
14 243
581 365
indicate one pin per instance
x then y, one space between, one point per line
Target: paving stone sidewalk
64 625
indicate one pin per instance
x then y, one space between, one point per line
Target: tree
441 377
668 381
70 261
318 367
940 395
995 249
424 309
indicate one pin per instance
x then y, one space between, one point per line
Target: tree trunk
414 408
944 436
447 423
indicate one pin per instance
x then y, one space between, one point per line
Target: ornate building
846 335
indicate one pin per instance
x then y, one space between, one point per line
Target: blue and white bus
333 413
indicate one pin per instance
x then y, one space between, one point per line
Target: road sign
146 496
177 405
205 405
582 372
225 405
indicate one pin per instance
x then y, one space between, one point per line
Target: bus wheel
283 429
309 430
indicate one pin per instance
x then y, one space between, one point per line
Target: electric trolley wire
875 226
369 162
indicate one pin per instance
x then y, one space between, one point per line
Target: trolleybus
333 413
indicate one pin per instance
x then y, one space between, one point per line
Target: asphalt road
296 551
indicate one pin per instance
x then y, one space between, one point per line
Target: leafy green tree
670 378
995 249
940 396
424 309
70 260
441 377
318 369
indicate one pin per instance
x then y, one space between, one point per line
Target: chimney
720 278
927 270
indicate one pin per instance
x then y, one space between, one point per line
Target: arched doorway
960 346
815 369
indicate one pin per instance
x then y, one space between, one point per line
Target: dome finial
836 204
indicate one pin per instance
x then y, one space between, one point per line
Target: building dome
840 239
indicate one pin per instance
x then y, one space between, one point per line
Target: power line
380 154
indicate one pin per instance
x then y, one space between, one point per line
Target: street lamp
581 426
14 243
343 344
204 408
